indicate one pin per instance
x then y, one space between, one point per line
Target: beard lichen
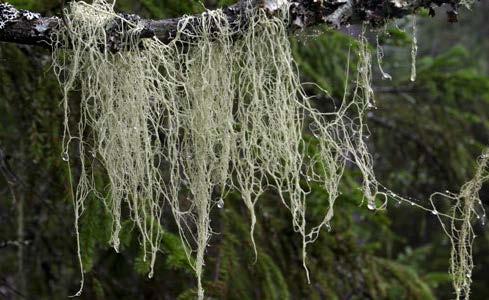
414 48
180 125
467 206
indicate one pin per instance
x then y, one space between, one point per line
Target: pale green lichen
183 126
414 48
466 208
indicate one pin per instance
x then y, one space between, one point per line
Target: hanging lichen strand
466 207
124 98
179 125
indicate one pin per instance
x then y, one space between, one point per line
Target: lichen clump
182 124
467 206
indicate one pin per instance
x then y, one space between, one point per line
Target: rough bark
24 27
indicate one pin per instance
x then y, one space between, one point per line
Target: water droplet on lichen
386 76
65 156
220 203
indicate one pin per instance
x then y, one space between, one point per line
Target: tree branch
24 27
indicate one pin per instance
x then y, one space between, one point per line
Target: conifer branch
25 27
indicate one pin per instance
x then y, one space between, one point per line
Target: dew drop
65 156
220 203
386 76
434 212
371 206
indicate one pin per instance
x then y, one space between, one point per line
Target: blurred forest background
425 137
